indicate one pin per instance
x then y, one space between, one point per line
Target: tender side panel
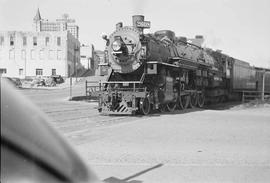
244 76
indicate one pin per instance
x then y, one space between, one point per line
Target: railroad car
259 79
160 71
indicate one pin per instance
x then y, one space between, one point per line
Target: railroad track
78 121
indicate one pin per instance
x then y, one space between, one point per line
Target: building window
11 41
51 54
47 40
1 40
3 71
58 41
39 72
24 41
53 72
41 54
20 72
23 54
59 53
11 54
34 41
33 54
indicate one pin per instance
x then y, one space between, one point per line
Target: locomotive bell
105 37
119 25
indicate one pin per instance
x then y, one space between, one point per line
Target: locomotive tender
162 71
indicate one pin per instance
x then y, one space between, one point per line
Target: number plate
143 24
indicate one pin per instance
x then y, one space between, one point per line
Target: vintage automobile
48 80
57 79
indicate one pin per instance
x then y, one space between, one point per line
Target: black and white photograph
135 91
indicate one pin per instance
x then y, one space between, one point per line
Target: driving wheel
201 99
162 108
145 106
193 100
183 101
171 106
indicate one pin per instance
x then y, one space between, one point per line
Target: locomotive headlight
116 45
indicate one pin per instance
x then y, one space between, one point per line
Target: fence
92 88
253 95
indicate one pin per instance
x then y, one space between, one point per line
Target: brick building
63 24
38 53
52 48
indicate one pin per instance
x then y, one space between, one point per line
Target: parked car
38 81
48 80
57 79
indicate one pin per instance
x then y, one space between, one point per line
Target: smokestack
119 25
136 18
199 39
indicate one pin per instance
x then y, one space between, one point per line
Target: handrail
100 86
142 78
115 82
252 91
126 89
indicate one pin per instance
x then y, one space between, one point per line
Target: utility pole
70 88
75 66
75 69
76 49
25 64
263 83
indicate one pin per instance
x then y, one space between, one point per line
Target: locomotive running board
179 65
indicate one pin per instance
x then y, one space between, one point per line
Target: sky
240 28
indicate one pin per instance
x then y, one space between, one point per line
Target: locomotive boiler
128 48
160 71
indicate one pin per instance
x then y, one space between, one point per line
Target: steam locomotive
160 71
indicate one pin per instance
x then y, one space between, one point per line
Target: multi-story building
38 53
63 24
52 48
100 61
74 30
86 52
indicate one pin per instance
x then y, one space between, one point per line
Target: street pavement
231 144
